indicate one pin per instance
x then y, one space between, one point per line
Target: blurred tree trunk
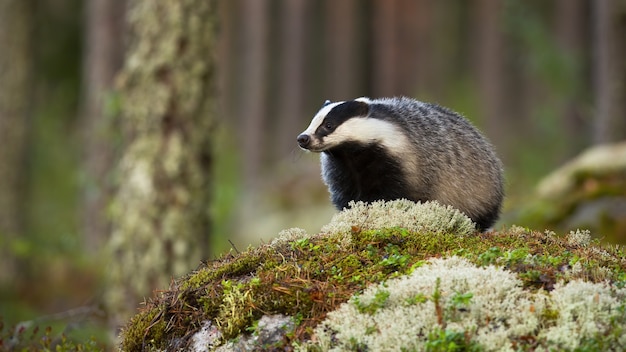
412 52
422 27
407 59
292 83
344 61
489 59
16 66
609 70
160 214
385 48
103 57
253 92
570 34
227 62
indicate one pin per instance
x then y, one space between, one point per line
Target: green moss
241 265
146 328
550 316
309 276
236 308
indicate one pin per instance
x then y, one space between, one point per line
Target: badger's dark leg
485 221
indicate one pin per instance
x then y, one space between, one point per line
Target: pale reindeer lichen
415 217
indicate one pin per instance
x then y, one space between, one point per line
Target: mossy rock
353 284
587 192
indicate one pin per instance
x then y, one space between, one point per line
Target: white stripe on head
369 130
319 118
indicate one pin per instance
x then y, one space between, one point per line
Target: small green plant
516 256
305 245
380 298
460 300
418 298
490 256
440 340
336 274
395 261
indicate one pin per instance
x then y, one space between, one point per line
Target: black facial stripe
340 114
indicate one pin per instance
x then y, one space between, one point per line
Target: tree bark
489 59
609 69
385 48
570 34
253 93
413 59
160 213
103 57
16 53
294 18
344 53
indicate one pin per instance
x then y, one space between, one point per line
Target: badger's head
343 122
351 122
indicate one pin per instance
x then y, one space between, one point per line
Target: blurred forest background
139 129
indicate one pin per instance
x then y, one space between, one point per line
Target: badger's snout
304 140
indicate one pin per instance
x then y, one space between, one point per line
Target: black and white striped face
342 122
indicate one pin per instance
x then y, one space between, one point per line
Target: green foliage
50 250
490 256
416 299
461 299
27 338
53 156
380 298
440 340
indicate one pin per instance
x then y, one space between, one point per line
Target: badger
394 148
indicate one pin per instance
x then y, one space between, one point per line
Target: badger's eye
328 126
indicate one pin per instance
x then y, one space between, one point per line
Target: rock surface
588 192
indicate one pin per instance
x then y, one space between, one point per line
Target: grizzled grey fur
393 148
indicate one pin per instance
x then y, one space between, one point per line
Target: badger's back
404 148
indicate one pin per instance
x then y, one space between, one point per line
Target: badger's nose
303 140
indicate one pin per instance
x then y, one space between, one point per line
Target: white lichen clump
579 237
447 294
289 235
429 216
586 311
486 306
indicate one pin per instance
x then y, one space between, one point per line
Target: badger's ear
326 103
